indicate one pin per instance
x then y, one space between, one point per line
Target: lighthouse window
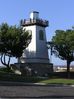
41 35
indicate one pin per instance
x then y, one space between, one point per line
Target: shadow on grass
11 77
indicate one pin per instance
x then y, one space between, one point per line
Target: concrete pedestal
35 69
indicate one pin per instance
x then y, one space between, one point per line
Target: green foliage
13 40
63 46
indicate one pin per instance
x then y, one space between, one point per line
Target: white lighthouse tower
36 54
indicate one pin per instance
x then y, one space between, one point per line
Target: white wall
31 49
37 49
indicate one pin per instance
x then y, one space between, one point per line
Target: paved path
36 92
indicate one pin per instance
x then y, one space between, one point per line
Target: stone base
33 69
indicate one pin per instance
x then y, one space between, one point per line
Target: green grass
6 75
58 81
4 69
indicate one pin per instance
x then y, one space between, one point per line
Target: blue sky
59 13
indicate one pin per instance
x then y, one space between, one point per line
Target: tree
63 46
13 40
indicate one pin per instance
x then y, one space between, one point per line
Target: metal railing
34 21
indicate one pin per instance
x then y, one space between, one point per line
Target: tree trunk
68 68
3 61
